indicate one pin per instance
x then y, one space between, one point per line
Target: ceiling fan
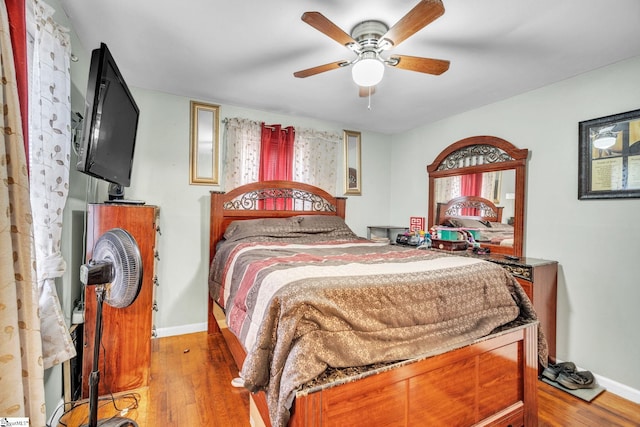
369 39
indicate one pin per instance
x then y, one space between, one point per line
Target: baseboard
619 389
255 419
57 413
181 330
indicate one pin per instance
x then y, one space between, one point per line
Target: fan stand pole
94 377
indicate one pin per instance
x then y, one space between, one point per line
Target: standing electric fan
116 270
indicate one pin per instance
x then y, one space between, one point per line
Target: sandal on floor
577 379
552 371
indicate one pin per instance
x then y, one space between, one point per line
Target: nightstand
382 231
539 279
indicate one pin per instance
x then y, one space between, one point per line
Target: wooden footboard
491 382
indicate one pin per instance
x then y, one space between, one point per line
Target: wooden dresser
539 279
125 361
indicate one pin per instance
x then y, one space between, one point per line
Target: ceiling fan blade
319 69
422 65
417 18
363 91
322 24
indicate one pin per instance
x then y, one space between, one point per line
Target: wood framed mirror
203 167
479 183
353 167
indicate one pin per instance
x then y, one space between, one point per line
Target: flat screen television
111 122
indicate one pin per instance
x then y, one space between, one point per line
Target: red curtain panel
276 158
17 27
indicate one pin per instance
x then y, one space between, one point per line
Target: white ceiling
244 53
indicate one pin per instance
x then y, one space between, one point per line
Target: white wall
596 242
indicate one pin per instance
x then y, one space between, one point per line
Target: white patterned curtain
49 158
447 188
314 158
314 155
21 370
489 184
242 155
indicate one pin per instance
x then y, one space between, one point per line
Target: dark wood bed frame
492 381
487 209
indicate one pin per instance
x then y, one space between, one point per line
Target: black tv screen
111 122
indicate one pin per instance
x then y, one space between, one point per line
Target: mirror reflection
497 186
204 163
476 185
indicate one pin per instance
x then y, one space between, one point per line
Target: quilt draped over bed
300 308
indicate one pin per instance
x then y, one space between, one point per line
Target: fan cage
119 248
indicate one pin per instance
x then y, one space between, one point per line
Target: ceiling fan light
605 138
367 72
603 142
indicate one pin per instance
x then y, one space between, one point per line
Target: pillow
274 227
501 226
334 226
328 226
465 223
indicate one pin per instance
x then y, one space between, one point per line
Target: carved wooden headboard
268 199
472 207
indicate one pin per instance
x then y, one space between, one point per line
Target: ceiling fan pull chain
369 106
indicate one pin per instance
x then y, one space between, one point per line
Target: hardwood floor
191 386
559 409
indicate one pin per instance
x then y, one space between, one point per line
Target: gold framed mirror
353 169
479 182
203 165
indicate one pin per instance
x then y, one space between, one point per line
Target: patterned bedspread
301 308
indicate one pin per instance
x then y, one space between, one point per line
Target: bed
477 213
415 374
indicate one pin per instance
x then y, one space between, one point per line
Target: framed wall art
609 159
